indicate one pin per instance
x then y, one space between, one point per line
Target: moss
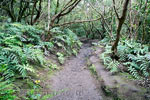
127 75
111 92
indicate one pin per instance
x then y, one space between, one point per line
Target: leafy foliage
136 57
93 69
20 46
66 41
61 57
110 64
53 66
6 90
34 94
133 55
14 63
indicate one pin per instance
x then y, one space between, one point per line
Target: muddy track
75 80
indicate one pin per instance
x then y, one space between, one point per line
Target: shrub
133 55
66 41
110 64
20 46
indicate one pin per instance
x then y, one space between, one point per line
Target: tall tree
121 21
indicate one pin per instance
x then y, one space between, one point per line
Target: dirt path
75 80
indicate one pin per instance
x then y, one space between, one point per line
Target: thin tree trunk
34 6
144 23
130 18
38 12
49 19
121 21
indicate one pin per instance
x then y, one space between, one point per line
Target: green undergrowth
66 43
133 55
92 68
110 64
35 94
22 51
6 90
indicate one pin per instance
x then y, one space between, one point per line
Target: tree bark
64 11
33 8
121 21
38 12
144 22
49 19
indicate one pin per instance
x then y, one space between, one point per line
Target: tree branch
101 17
115 10
68 8
77 21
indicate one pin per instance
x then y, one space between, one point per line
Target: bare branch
101 17
67 9
115 9
77 21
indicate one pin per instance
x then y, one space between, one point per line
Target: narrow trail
75 80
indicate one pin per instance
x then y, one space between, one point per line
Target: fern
67 41
113 66
21 45
6 72
23 69
6 90
132 69
34 55
12 63
25 33
110 64
135 56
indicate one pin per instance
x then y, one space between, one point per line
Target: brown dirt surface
75 80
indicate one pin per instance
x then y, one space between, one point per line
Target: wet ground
74 81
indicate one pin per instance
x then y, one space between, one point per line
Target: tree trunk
121 21
144 22
130 19
49 19
33 8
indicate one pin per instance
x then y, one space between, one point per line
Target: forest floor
76 81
